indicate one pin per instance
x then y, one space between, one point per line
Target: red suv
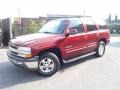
59 41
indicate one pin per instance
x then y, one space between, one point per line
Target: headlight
24 52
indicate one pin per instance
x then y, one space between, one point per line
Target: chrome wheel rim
46 65
101 49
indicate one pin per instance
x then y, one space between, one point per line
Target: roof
72 18
53 16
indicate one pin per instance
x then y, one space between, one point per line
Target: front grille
14 53
12 45
13 48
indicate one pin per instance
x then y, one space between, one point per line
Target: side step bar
79 57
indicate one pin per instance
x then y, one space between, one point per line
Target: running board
77 58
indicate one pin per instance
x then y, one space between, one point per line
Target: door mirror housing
71 32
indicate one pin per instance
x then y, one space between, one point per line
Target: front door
75 45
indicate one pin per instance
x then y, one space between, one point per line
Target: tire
48 64
100 49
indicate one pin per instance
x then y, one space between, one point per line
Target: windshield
53 27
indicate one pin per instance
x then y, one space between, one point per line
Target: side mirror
71 32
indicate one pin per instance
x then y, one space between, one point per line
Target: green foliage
34 26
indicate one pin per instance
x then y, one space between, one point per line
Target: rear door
92 34
75 45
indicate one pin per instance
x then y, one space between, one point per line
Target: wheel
100 49
48 64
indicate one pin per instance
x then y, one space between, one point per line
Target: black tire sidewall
55 59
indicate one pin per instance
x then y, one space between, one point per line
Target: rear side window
102 24
103 27
76 24
91 27
90 24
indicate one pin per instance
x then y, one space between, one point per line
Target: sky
36 8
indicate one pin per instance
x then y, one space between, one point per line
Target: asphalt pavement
90 73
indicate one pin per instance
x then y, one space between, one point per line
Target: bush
34 26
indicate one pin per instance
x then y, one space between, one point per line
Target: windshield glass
53 27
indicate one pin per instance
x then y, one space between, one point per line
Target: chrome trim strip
75 50
79 57
68 46
92 45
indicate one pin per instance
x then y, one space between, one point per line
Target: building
114 25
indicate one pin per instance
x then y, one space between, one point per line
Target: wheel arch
104 40
54 50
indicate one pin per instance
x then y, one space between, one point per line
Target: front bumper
31 63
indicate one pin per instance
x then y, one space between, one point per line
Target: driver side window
76 24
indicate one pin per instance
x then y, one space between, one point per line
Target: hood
33 38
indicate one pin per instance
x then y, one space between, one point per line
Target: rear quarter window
102 24
102 27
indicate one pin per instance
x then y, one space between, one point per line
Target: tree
34 26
